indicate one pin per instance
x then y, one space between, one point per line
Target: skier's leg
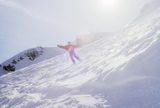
71 56
76 56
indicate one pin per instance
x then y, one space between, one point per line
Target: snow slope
30 56
148 8
38 54
121 71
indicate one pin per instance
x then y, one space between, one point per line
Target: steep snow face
148 8
121 71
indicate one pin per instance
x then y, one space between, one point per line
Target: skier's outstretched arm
63 47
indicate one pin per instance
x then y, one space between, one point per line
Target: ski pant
73 54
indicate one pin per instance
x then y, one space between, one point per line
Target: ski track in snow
121 71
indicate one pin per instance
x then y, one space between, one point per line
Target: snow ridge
29 57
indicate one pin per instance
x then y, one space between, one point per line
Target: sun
108 4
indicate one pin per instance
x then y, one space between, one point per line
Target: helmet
69 43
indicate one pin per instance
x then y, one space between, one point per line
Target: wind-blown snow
121 71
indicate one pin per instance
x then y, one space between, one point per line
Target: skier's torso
70 48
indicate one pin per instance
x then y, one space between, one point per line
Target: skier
70 48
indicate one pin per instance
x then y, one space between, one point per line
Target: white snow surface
121 71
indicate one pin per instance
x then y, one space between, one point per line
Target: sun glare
108 4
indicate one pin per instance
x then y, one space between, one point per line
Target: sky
30 23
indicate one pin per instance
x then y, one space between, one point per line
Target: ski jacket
68 47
